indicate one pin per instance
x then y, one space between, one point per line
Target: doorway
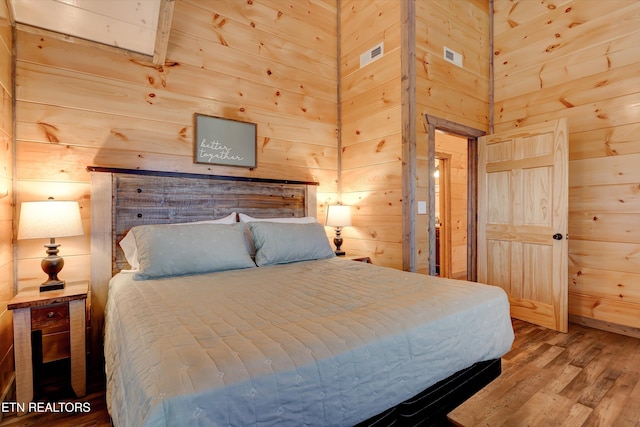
453 199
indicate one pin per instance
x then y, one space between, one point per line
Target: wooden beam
197 175
409 159
162 34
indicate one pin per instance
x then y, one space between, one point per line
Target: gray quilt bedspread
329 342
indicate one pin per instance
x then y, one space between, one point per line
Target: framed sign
226 142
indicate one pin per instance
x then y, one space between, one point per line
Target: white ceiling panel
128 24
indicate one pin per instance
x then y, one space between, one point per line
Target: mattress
327 342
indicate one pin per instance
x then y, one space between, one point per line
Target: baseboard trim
605 326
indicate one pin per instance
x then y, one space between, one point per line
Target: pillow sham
291 220
128 246
166 250
281 243
128 242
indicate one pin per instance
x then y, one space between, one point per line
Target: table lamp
50 219
338 216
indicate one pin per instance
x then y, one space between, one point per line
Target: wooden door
522 220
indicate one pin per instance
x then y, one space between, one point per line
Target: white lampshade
338 216
49 219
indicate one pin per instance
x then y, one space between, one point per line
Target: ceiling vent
372 54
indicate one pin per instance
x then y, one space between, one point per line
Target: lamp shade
338 216
49 219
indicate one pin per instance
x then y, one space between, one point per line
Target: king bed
213 321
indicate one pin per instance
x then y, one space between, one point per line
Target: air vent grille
372 54
452 56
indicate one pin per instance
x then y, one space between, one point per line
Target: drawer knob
51 315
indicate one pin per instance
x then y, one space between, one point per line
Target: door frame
472 136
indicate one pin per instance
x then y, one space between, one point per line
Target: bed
232 324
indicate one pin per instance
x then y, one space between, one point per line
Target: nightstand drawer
50 316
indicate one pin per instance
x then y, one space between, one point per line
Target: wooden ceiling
140 26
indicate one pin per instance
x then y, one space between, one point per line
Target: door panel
522 203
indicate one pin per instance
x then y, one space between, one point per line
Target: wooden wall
78 104
371 115
459 95
261 61
276 64
371 164
6 200
580 59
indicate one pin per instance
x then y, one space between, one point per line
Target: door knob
557 236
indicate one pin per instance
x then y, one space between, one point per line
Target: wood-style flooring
586 377
55 386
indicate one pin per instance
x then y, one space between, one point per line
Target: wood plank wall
268 62
371 156
6 201
371 110
277 66
580 59
459 95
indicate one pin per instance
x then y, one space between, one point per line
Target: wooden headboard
122 198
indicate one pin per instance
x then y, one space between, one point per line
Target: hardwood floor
586 378
55 386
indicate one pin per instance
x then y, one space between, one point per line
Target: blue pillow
167 250
280 243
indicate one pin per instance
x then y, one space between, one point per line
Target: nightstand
364 259
34 311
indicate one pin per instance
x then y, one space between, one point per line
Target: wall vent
452 56
372 54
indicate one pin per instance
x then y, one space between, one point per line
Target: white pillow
128 245
290 220
130 249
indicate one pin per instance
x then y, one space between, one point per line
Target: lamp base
52 265
338 242
52 285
